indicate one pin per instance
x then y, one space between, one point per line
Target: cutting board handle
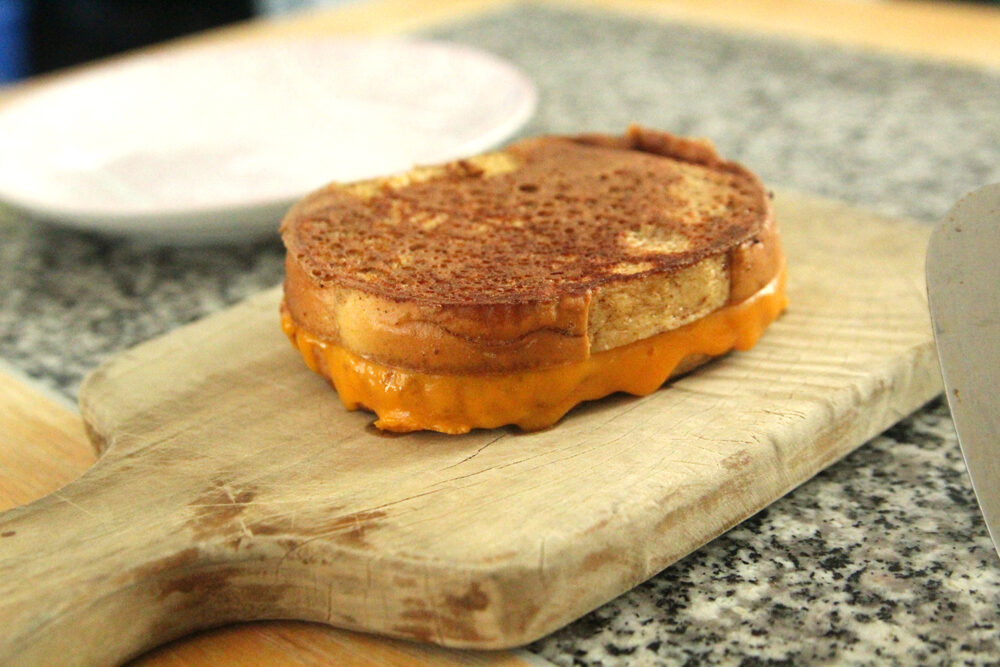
92 575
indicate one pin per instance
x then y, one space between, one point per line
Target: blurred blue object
13 40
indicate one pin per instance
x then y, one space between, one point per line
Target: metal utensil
963 290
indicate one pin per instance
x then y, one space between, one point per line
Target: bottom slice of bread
407 400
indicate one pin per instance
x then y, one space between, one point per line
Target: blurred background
37 36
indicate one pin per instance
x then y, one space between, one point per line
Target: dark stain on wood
461 628
737 461
600 559
474 599
181 560
517 619
267 528
205 581
597 526
200 598
305 525
8 533
353 528
223 586
216 510
454 619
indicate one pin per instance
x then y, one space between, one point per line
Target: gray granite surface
881 559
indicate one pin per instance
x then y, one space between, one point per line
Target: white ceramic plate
214 143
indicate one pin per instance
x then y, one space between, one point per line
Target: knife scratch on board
477 452
69 502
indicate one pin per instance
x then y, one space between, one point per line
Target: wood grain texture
235 487
296 643
44 447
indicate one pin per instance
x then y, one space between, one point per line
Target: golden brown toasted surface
547 218
532 257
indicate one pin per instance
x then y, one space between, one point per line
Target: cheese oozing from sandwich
408 400
510 287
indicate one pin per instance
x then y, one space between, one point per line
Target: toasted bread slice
520 266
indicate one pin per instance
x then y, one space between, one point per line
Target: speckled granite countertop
881 559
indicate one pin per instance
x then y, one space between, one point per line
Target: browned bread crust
539 255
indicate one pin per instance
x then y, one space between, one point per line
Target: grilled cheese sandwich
509 287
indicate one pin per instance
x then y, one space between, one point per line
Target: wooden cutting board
233 485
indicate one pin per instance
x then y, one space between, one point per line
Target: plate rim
117 220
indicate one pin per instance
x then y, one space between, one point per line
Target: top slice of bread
537 255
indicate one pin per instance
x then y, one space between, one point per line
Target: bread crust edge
498 338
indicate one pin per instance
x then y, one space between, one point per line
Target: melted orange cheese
407 400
